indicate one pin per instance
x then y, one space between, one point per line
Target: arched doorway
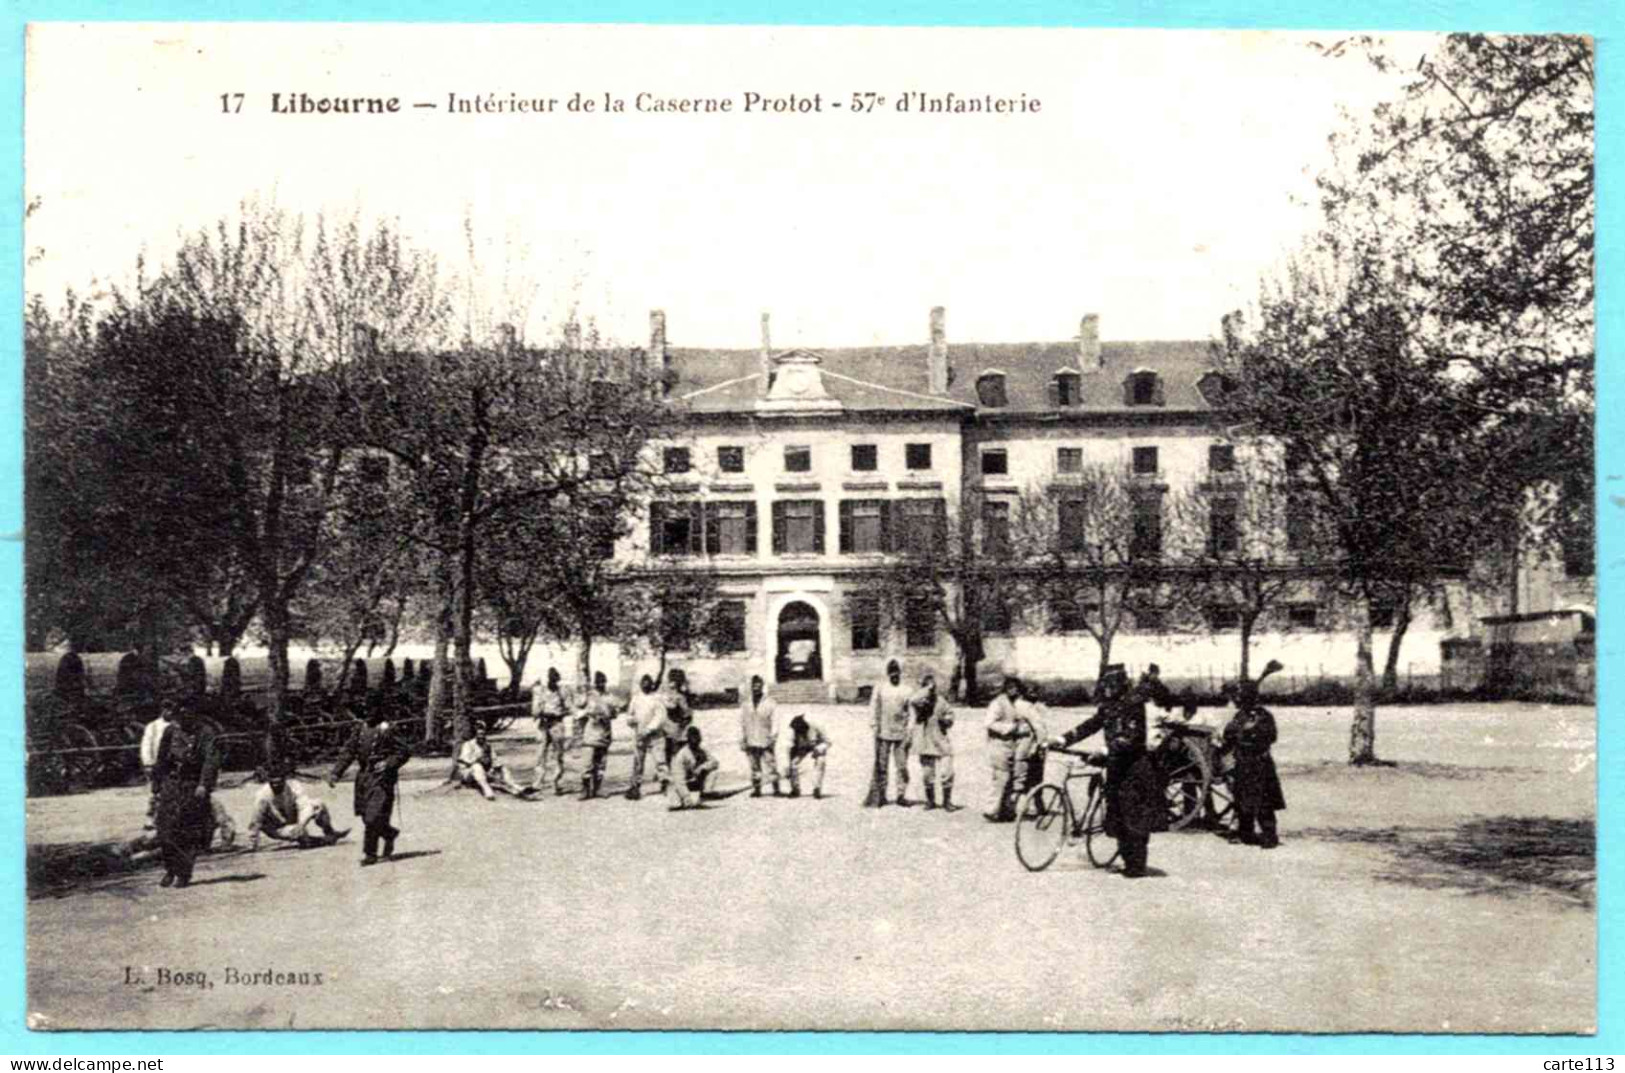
799 655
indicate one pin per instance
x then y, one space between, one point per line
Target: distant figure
596 729
892 730
933 719
187 765
378 755
550 708
647 716
152 737
759 735
679 712
1254 781
1007 748
808 745
693 773
284 810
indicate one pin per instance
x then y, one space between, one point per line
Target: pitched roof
894 378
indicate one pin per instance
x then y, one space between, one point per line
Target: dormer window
990 390
1216 387
1142 388
1066 389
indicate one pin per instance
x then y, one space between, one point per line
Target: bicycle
1047 821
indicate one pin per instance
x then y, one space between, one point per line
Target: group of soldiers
907 721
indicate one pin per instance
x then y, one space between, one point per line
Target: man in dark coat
1134 799
188 764
378 755
1253 780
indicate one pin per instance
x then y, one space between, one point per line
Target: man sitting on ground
693 772
477 768
284 810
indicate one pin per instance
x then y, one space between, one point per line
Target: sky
1164 172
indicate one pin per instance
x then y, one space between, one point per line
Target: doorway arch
800 655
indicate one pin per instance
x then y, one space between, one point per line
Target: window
996 617
1303 616
1143 389
730 528
1069 460
996 529
731 459
1070 615
1145 461
1384 610
1223 617
1221 458
1298 529
865 616
798 527
676 460
865 526
728 627
1146 541
1066 390
995 463
798 460
920 623
374 469
923 525
865 458
674 528
917 456
1224 534
990 390
1074 525
602 530
1150 620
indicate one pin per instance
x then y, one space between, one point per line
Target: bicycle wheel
1186 779
1101 847
1043 821
1222 802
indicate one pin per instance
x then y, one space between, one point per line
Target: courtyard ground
1452 892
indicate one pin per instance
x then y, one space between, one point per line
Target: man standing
934 719
808 744
151 737
378 756
647 716
284 810
679 713
892 728
1005 730
759 736
186 767
596 729
692 774
549 706
1134 802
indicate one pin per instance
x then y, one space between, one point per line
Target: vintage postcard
633 527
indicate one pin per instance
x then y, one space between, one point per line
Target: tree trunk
1247 623
1390 669
277 630
967 678
436 707
1363 732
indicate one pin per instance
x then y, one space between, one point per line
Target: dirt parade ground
1452 892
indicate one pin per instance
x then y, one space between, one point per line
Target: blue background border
1599 18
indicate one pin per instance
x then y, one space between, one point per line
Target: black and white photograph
568 527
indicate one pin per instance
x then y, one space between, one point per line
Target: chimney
572 335
938 375
766 359
1089 359
658 356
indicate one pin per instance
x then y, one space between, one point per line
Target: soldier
186 767
1006 731
1134 802
693 772
679 713
808 744
596 730
892 729
284 810
759 735
378 755
647 717
550 707
1032 724
152 736
1254 781
932 720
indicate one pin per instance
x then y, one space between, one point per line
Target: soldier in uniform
892 732
679 713
550 708
808 744
378 755
647 717
933 719
596 721
759 736
186 767
1134 802
692 773
1254 781
1007 732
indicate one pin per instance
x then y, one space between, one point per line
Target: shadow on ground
1498 855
